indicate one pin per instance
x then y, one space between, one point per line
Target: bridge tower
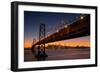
41 48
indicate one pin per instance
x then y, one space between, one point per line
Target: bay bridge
78 28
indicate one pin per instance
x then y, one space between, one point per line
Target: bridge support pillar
41 48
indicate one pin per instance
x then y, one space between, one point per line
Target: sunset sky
32 20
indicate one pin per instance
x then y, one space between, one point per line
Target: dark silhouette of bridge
76 29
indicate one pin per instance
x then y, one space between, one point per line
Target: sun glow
72 42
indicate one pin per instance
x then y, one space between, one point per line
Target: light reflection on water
60 54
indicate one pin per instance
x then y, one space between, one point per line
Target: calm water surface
60 54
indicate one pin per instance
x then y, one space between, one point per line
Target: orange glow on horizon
73 44
28 44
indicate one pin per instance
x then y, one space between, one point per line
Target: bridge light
82 17
57 31
65 26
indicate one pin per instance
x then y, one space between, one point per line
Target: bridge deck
76 29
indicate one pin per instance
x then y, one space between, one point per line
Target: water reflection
59 54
